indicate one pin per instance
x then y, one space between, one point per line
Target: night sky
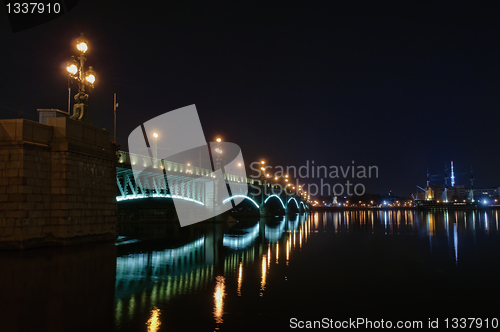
400 85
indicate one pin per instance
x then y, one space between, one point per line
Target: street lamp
218 156
155 146
84 78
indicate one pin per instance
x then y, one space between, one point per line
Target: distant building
492 192
459 192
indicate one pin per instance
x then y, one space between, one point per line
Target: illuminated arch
303 205
129 197
240 196
295 202
283 205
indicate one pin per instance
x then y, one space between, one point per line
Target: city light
90 75
82 46
90 79
72 68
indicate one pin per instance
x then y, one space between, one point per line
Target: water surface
259 274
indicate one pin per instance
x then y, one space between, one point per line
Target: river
264 275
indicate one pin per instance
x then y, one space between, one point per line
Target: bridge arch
295 202
271 196
141 196
240 196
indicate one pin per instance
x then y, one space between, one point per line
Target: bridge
200 186
58 186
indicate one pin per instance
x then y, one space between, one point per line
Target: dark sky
400 85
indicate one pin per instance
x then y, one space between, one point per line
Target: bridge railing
128 158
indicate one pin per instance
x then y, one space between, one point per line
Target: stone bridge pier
57 183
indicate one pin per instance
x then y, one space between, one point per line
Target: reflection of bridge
271 232
194 184
191 267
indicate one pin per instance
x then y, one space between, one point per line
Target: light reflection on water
153 322
256 271
264 274
160 277
219 294
240 278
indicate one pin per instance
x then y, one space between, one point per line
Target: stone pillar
57 183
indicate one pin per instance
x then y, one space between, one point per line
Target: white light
82 47
276 197
140 196
240 196
72 69
90 79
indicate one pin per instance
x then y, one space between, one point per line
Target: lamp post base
81 113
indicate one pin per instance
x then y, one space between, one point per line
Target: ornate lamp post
218 157
84 78
155 145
